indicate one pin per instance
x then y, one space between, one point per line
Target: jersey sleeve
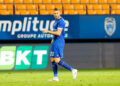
61 25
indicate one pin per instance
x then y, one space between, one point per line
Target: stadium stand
67 7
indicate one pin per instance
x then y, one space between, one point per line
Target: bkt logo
23 57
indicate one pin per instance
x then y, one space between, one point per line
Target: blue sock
55 67
65 65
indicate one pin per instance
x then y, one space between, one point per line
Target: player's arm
57 33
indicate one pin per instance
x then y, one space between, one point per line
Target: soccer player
58 43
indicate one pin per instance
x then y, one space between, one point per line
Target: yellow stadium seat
59 6
68 6
4 12
28 1
31 6
116 12
42 6
98 9
65 1
93 1
115 6
1 1
75 1
50 12
79 6
2 6
37 1
20 6
44 12
106 8
90 6
102 1
10 12
8 1
50 6
47 1
33 12
112 1
81 12
92 12
70 12
18 1
91 9
115 9
84 1
9 6
118 1
56 1
22 12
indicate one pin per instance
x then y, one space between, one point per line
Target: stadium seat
50 12
65 1
8 1
42 6
21 12
46 1
20 6
3 6
44 12
118 1
18 1
106 8
50 6
93 1
112 1
81 12
98 9
91 10
68 6
32 9
115 9
56 1
80 8
4 12
28 1
102 1
70 12
33 12
84 1
75 1
1 1
59 6
31 6
37 1
9 6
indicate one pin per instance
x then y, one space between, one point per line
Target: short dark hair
56 9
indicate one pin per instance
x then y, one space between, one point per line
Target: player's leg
65 65
54 66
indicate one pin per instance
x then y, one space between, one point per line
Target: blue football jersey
58 41
59 24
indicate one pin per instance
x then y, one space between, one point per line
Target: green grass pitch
95 77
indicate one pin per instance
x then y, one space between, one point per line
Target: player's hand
44 31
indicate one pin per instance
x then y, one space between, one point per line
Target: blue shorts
57 50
